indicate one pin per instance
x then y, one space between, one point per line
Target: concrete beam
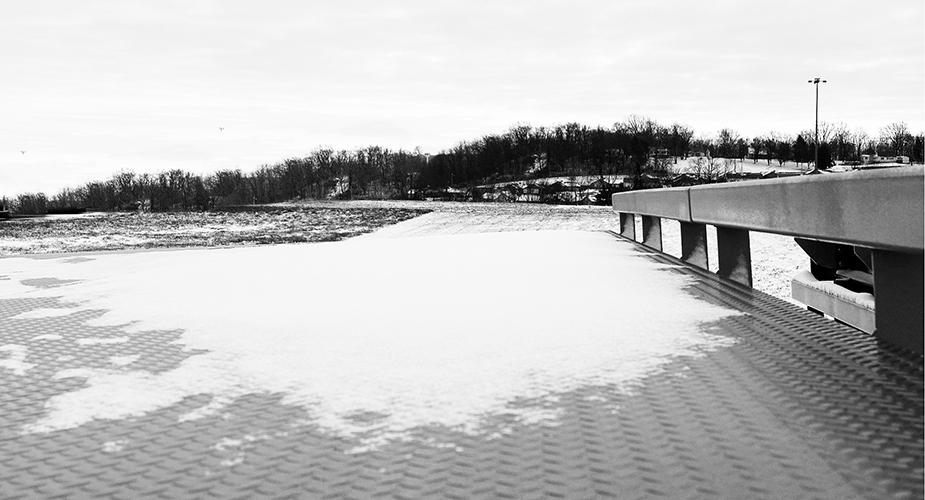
875 209
670 203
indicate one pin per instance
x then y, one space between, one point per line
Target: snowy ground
374 336
248 226
775 259
740 165
445 319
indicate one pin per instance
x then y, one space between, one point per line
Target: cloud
79 75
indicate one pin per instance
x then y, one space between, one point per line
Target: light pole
816 81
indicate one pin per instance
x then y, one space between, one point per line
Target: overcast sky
93 87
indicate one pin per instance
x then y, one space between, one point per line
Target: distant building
531 192
875 159
684 179
646 181
658 153
599 184
759 154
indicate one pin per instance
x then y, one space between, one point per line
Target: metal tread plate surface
797 407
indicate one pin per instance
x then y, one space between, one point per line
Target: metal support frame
735 256
898 285
829 258
628 226
694 244
652 232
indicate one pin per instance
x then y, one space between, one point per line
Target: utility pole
816 81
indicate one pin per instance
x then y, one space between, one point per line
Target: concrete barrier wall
874 209
882 210
671 203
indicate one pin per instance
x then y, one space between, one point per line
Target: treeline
632 147
371 172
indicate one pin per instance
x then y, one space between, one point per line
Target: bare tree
757 146
702 144
780 146
727 143
708 169
30 204
861 142
896 137
125 189
642 126
918 148
679 141
840 141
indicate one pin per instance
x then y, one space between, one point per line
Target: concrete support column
694 244
735 256
898 292
628 226
652 232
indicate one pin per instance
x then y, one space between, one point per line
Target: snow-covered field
255 225
775 259
740 165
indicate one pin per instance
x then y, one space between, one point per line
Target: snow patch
16 359
211 409
863 299
47 336
226 443
124 360
440 330
241 445
102 340
238 459
114 446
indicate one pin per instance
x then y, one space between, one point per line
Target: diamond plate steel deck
798 407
